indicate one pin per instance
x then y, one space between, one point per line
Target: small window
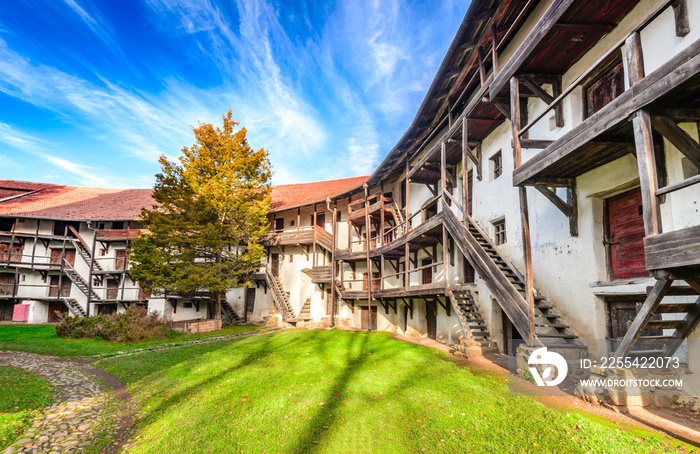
292 222
187 305
279 224
499 231
496 165
291 258
7 224
469 274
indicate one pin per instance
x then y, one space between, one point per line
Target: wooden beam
550 17
680 14
582 27
678 138
515 120
465 172
635 58
554 198
646 162
643 316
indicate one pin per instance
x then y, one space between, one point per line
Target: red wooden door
56 306
626 235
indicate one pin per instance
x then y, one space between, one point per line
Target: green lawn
344 392
23 393
42 339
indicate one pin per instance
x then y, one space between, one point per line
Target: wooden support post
648 180
12 243
38 223
515 120
443 175
465 172
445 258
334 299
313 231
494 48
559 109
16 283
381 221
408 195
527 254
480 59
245 305
635 59
572 198
680 13
369 261
406 278
381 271
680 139
298 218
126 252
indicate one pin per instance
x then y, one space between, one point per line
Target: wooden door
120 260
431 317
625 235
65 287
275 264
250 301
321 220
369 318
106 309
7 284
427 272
56 255
56 306
7 308
112 289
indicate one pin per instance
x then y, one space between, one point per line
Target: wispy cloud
100 30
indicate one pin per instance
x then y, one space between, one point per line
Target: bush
133 325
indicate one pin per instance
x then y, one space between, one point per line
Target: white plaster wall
38 311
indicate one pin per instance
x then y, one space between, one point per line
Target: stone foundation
196 326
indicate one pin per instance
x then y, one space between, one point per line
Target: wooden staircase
473 326
643 337
508 286
74 308
279 296
79 282
229 315
83 250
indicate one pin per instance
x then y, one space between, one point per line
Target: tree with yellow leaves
210 217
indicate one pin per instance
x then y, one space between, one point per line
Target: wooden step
675 308
665 324
557 335
552 325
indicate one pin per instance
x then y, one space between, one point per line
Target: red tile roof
78 203
55 201
291 195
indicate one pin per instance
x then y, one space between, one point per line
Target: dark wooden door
626 235
56 306
427 272
275 264
112 289
120 260
7 284
369 318
65 287
6 310
106 309
250 301
431 317
56 255
321 220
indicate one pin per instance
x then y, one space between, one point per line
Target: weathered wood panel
626 235
673 249
321 274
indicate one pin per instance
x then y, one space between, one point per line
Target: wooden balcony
107 235
672 250
378 206
306 236
321 274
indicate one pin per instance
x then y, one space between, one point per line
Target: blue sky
91 93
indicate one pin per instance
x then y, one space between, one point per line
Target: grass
43 339
343 392
23 394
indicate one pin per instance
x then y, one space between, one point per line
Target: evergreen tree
206 231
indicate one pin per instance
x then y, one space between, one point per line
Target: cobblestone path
69 425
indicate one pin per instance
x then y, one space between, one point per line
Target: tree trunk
216 309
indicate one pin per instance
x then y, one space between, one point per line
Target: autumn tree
211 213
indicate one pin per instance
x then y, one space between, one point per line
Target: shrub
133 325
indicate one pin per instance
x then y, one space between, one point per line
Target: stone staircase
229 315
74 308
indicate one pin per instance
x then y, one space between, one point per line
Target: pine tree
210 217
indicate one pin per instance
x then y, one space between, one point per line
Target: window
469 274
496 165
187 305
499 231
61 228
427 272
118 225
7 224
279 224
